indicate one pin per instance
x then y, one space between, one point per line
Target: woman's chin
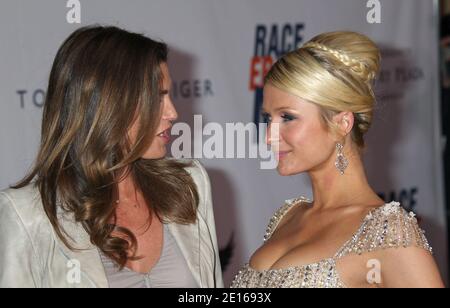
282 171
161 153
285 171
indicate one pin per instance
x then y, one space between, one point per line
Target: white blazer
32 255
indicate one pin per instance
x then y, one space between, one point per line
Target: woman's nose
273 133
170 113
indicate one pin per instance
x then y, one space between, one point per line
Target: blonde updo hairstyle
335 71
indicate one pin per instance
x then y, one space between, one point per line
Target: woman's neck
127 189
331 189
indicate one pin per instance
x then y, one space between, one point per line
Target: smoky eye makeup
163 94
266 117
287 117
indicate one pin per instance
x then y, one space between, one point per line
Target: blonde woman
321 99
102 206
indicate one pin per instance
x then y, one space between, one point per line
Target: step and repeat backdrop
219 53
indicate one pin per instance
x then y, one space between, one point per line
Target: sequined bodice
389 226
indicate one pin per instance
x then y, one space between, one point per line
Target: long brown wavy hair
101 78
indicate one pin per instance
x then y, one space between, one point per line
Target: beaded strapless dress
389 226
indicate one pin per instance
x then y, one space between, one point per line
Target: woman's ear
344 121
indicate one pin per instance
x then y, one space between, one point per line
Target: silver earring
341 162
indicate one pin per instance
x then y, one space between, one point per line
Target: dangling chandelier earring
341 162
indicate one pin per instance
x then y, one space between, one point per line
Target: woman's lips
165 135
282 155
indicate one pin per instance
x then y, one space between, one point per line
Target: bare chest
149 233
301 244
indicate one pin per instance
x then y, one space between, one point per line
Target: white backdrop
212 46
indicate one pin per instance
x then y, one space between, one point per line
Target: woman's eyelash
266 117
287 117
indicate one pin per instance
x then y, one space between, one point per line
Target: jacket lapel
196 246
86 254
188 239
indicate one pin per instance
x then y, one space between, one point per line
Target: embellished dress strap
280 213
389 226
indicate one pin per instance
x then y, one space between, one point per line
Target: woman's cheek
294 133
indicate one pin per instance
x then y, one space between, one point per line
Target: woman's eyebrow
279 109
284 108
